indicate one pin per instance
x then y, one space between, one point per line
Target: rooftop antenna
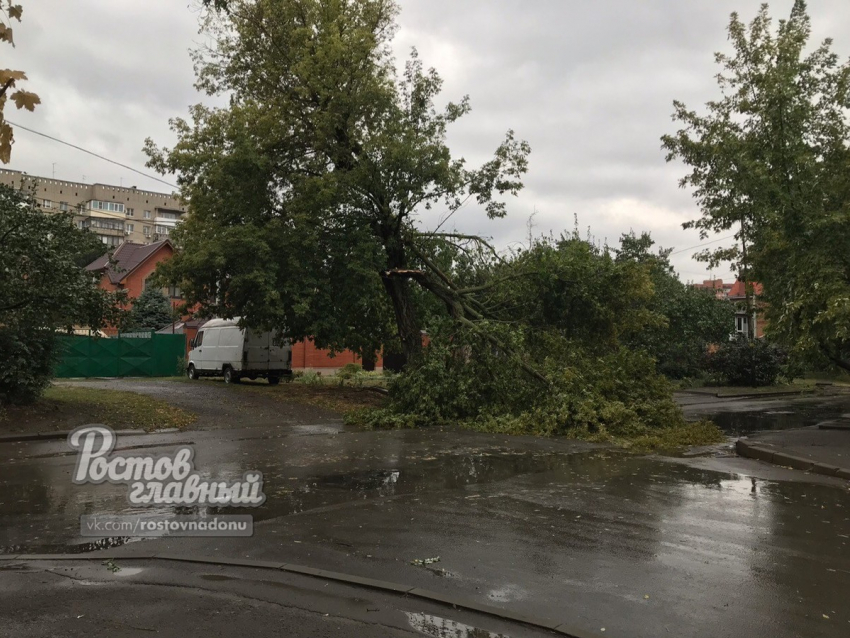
54 170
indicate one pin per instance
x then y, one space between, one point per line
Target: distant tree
9 80
42 290
151 311
693 319
770 157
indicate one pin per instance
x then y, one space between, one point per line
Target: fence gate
144 354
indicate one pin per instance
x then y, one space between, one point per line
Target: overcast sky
589 84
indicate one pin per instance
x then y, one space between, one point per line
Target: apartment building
114 213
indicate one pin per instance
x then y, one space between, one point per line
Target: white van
222 348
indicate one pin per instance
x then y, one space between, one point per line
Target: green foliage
752 364
564 306
349 371
28 357
151 311
463 379
770 158
693 319
42 290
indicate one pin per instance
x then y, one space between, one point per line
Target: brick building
736 293
131 267
721 290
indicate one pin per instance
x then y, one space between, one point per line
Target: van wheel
274 380
191 372
230 376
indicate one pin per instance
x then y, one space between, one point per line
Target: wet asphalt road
182 600
639 546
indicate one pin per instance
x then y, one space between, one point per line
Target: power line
700 245
106 159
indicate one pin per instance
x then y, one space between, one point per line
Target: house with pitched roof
130 267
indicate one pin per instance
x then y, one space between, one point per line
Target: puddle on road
444 628
795 415
40 507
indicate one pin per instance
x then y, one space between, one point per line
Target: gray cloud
589 84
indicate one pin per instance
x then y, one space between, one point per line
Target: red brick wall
306 356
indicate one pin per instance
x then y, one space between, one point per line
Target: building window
741 324
147 214
47 203
109 241
130 212
161 230
147 231
107 224
63 206
174 291
112 207
130 228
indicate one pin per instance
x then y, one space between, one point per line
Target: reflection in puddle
445 628
59 548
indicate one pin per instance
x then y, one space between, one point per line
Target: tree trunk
409 331
748 292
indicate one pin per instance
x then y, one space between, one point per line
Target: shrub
349 371
28 360
464 379
748 363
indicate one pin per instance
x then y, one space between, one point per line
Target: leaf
9 74
421 562
6 34
25 100
15 11
6 139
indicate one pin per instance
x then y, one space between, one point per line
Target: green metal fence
151 355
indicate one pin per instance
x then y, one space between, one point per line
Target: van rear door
257 346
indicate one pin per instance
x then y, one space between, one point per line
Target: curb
59 436
833 426
348 579
769 455
765 395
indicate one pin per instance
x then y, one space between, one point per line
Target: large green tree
42 290
769 157
307 188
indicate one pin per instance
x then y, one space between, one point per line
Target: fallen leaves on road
422 562
111 566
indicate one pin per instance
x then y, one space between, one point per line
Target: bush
464 380
748 363
28 360
349 371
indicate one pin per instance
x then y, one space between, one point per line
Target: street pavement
593 537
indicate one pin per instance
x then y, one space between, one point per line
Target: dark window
199 340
